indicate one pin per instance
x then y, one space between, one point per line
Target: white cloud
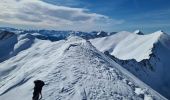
44 15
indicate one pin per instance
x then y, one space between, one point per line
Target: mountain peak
160 31
102 33
138 32
163 38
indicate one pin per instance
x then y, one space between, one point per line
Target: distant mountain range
54 35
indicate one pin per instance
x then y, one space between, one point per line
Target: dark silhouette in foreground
37 89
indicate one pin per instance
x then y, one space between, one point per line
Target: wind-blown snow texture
72 70
146 56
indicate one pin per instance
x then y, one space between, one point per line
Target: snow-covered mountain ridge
146 56
72 70
134 44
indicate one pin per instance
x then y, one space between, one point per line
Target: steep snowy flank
11 44
125 45
131 46
109 43
72 70
7 42
146 56
6 34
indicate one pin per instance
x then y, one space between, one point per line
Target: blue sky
89 15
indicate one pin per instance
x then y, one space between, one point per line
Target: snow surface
72 70
109 43
146 56
13 44
126 45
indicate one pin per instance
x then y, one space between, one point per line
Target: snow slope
11 44
146 56
72 70
126 45
109 43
